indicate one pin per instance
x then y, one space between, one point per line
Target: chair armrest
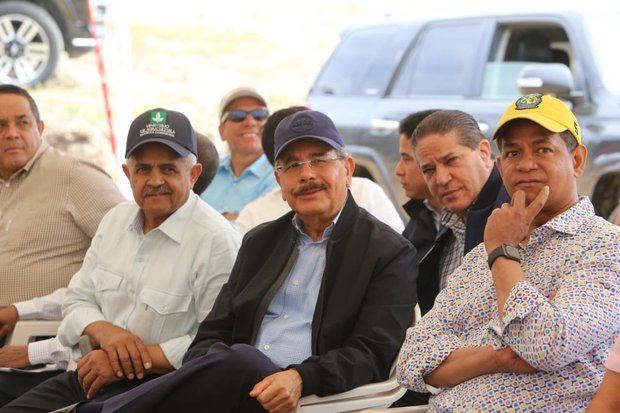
25 331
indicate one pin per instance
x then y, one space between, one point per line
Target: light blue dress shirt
230 193
285 335
159 285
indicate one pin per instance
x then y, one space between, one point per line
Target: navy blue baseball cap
306 124
168 127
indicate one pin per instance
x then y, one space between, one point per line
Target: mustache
156 190
310 186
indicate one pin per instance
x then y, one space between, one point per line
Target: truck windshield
604 31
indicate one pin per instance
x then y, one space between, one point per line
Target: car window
442 61
361 65
516 47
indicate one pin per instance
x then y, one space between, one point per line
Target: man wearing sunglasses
245 174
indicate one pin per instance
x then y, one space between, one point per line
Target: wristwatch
505 250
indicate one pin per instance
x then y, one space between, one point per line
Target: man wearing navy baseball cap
151 274
317 303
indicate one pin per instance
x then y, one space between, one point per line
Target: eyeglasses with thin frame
317 163
239 115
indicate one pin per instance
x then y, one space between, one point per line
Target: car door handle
382 127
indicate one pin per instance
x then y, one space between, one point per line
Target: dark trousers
63 390
218 382
13 385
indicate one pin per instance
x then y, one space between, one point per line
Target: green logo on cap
528 101
158 117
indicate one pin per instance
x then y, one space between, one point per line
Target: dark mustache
156 190
310 186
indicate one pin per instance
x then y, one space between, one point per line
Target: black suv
33 34
378 74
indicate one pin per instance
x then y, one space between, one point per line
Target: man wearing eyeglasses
245 174
318 300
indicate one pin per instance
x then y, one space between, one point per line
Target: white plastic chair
375 395
27 330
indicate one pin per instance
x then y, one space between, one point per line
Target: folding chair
26 331
375 395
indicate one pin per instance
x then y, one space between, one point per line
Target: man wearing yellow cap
530 315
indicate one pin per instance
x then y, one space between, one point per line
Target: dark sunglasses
239 115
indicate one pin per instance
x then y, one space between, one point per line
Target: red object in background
104 81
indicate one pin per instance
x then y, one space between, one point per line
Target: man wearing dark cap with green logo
317 303
530 315
150 276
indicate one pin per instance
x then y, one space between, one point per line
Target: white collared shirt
158 285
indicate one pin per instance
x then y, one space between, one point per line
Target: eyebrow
312 155
546 139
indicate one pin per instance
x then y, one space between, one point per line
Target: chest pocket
106 280
164 303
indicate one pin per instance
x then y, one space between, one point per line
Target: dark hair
209 158
16 90
446 121
269 130
567 137
408 124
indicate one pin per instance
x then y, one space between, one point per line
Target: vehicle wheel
31 43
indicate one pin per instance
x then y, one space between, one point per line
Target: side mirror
546 78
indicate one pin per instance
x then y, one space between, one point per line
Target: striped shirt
49 211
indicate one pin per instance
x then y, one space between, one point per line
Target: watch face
512 251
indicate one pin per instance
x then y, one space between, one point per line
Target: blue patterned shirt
285 335
575 255
230 193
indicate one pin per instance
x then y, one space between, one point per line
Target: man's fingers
95 387
136 360
88 380
144 354
125 360
260 386
538 203
518 199
116 366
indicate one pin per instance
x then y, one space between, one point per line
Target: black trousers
218 382
13 385
64 390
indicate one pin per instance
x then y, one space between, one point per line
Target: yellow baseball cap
549 112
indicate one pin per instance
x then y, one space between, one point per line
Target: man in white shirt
272 205
150 276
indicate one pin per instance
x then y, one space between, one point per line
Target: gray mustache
311 186
156 190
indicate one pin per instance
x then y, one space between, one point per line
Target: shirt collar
570 220
259 167
299 226
174 226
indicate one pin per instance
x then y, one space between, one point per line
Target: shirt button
266 346
295 282
285 316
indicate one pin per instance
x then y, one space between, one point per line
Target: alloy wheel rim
26 49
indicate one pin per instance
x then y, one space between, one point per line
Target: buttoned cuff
175 349
73 325
27 310
522 300
49 352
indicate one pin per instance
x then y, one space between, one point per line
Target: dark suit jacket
365 303
492 195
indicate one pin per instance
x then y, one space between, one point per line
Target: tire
30 42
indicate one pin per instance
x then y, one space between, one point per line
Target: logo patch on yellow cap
528 101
